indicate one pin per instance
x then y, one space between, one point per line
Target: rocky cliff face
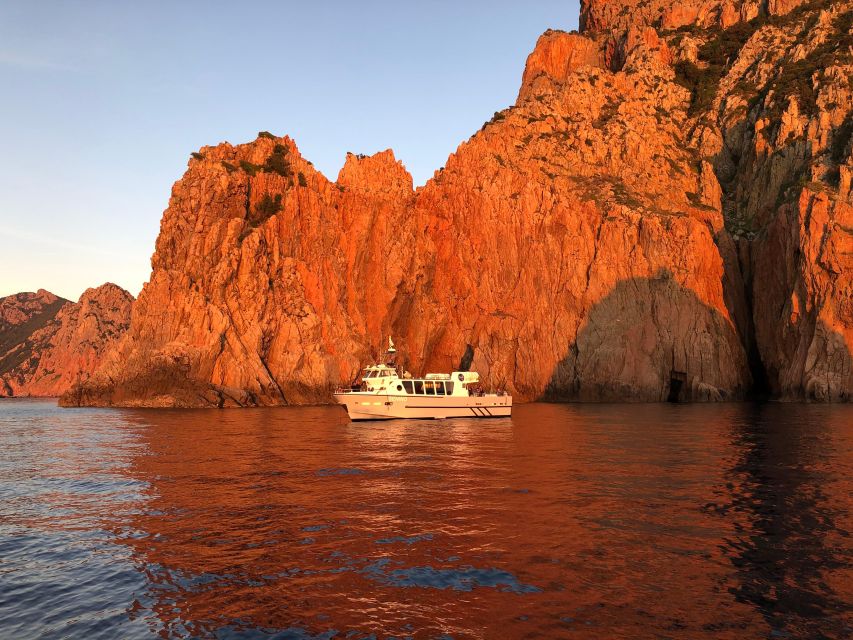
22 315
772 103
25 313
48 343
607 16
664 213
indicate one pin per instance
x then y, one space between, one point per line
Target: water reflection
728 521
288 519
792 549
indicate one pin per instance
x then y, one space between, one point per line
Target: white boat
385 394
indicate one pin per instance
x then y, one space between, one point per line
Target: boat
384 393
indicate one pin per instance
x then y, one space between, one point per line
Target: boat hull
373 406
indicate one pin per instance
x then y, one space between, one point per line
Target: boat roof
462 376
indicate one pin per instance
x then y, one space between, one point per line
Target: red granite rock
633 228
64 341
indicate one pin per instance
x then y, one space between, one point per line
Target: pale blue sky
102 103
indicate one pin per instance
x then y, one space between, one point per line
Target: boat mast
391 352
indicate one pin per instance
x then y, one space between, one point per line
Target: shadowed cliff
651 340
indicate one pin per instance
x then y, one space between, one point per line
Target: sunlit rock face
664 213
18 309
803 289
49 343
606 15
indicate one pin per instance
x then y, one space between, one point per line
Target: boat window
429 388
408 385
419 386
439 388
449 386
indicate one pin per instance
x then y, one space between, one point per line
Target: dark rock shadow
827 368
652 340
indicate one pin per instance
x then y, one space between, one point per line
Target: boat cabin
385 378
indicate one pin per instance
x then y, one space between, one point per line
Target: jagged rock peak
557 55
243 156
379 172
108 293
20 307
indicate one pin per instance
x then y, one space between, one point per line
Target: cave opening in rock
676 382
467 358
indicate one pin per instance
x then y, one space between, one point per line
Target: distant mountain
21 315
665 212
48 343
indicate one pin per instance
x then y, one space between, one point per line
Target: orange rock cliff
48 343
665 212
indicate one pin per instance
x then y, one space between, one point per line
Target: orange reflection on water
725 521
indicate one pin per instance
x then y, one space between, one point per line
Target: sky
101 104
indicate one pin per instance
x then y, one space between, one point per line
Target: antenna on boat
391 351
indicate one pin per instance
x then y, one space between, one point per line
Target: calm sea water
566 521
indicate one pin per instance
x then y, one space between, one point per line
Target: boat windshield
377 374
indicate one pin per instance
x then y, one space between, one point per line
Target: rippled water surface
566 521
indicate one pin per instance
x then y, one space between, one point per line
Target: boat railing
352 389
472 393
488 394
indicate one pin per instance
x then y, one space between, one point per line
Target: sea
564 521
